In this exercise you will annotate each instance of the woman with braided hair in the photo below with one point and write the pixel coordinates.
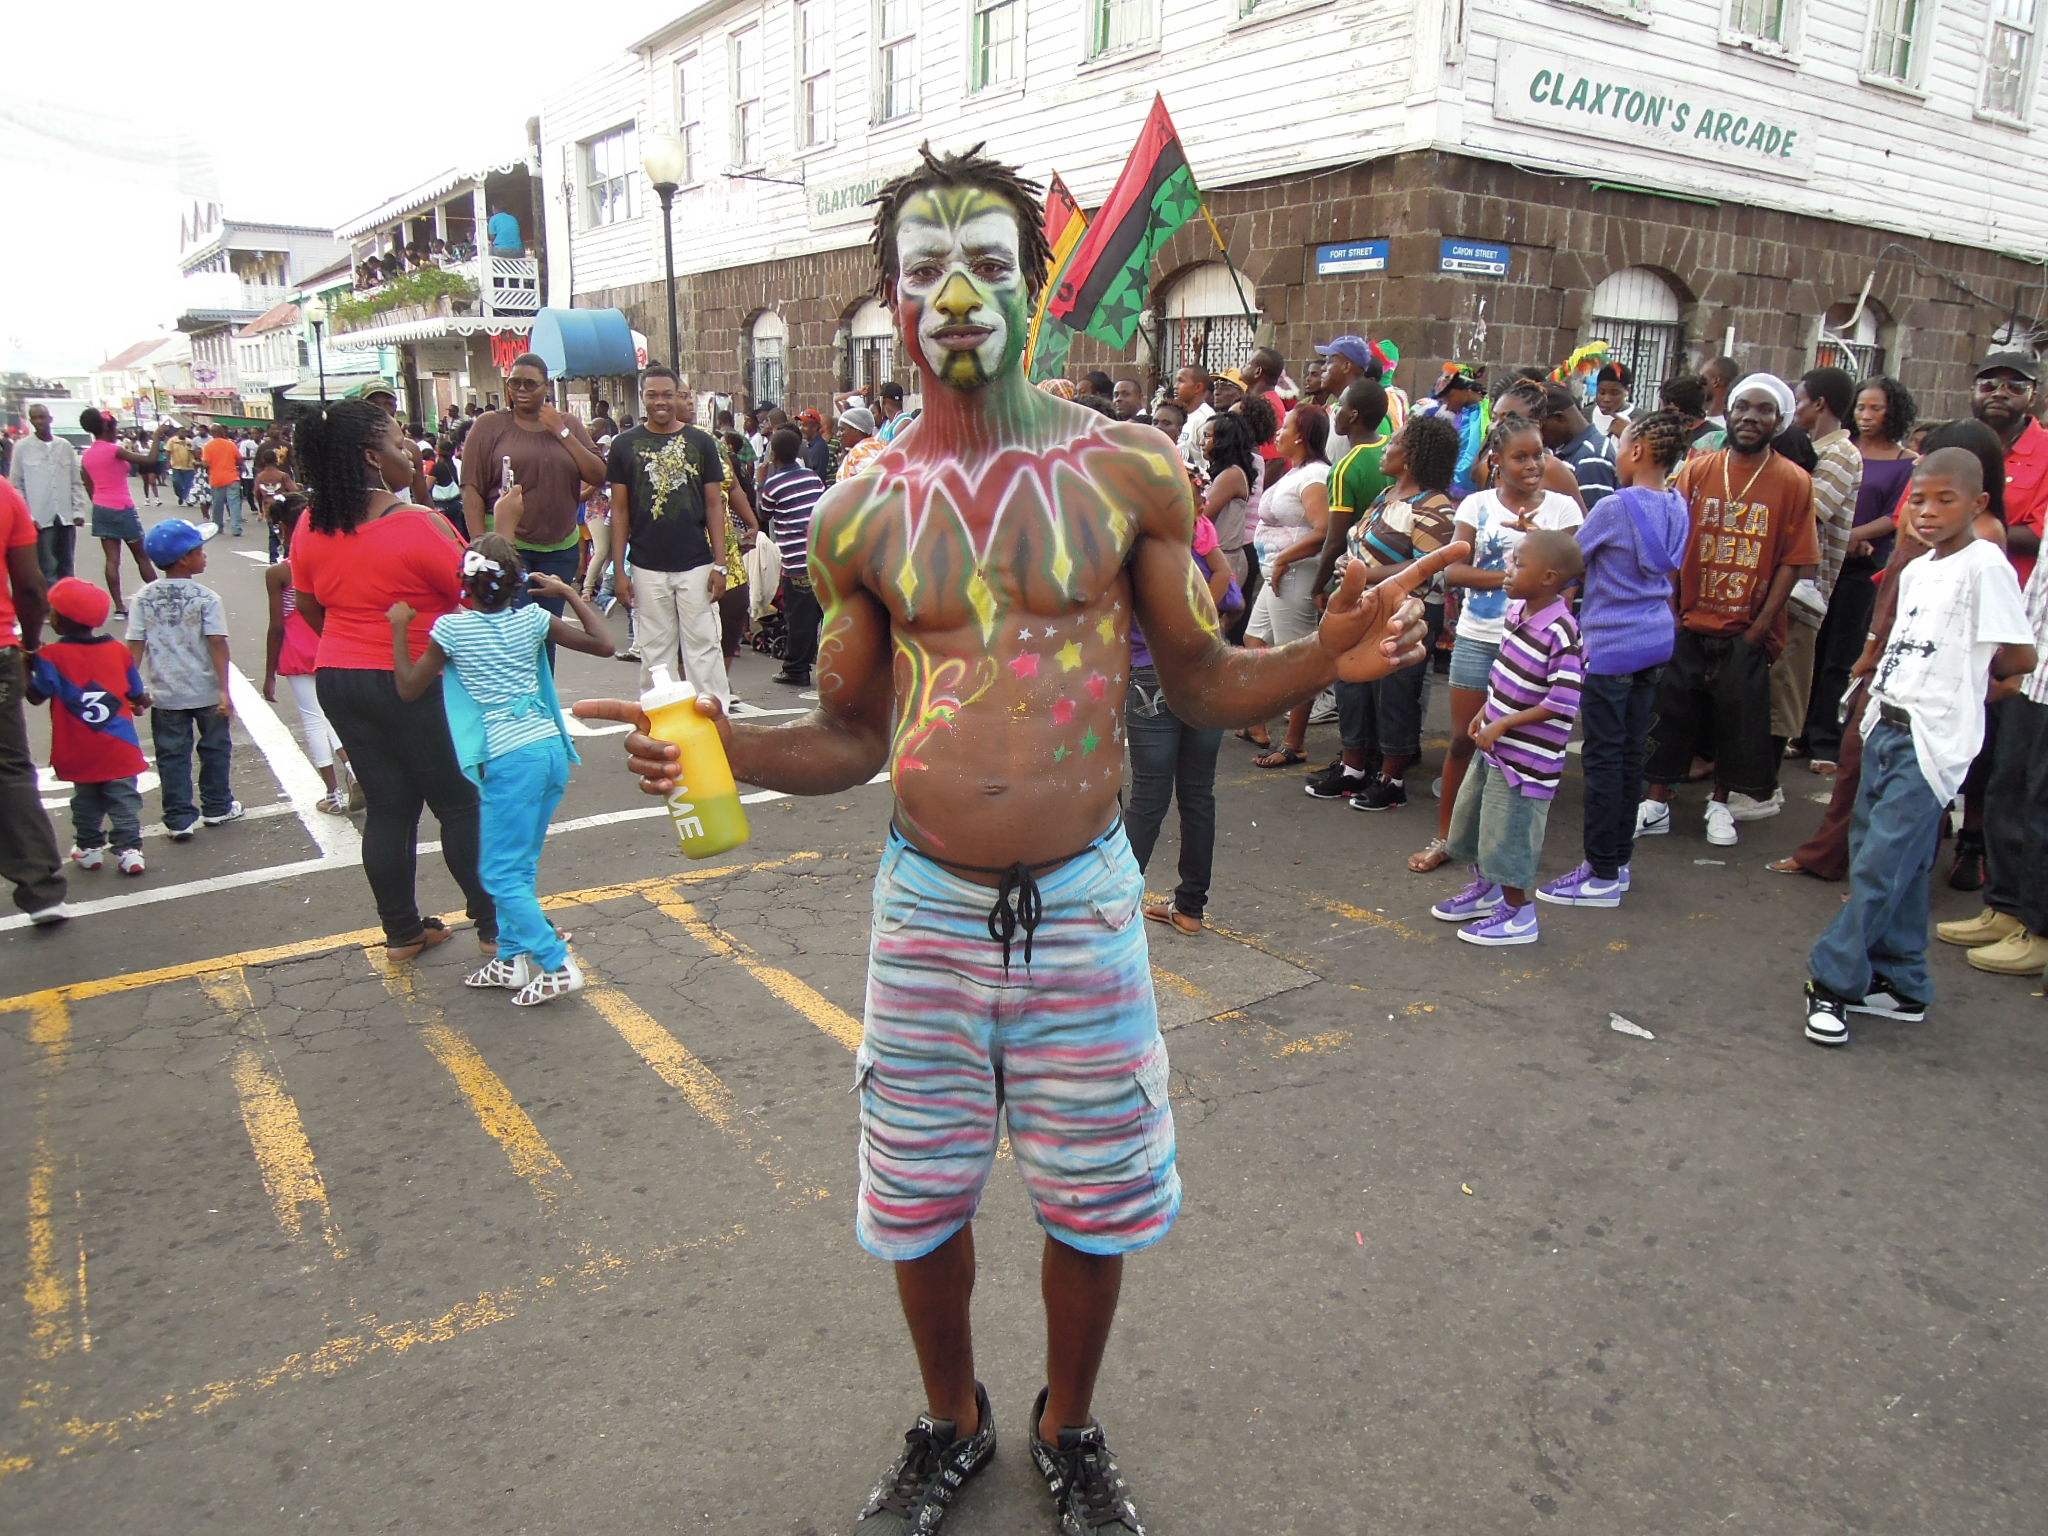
(360, 548)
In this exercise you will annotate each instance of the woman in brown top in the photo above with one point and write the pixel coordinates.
(548, 457)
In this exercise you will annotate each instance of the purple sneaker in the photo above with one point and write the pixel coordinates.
(1583, 888)
(1476, 900)
(1505, 925)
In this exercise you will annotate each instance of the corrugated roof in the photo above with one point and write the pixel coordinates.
(274, 318)
(130, 358)
(424, 195)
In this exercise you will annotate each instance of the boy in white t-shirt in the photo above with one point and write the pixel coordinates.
(1960, 623)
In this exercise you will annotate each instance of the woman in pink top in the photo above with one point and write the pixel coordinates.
(114, 519)
(359, 548)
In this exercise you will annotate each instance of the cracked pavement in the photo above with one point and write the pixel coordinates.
(1717, 1281)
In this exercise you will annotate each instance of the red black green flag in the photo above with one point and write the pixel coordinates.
(1104, 286)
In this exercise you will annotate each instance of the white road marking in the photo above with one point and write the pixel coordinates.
(145, 896)
(260, 556)
(335, 836)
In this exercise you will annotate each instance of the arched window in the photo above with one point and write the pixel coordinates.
(1208, 317)
(1853, 339)
(871, 347)
(1640, 318)
(767, 339)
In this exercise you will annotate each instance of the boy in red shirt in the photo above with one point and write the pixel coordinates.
(93, 688)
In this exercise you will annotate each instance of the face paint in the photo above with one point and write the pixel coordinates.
(960, 288)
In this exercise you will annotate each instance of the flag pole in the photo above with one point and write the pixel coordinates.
(1236, 282)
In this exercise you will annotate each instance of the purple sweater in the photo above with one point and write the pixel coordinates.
(1633, 540)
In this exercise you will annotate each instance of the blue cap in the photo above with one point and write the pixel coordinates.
(173, 539)
(1356, 348)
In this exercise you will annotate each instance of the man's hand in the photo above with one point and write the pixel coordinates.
(400, 614)
(1373, 631)
(1757, 639)
(622, 587)
(225, 712)
(1486, 733)
(651, 759)
(716, 587)
(2003, 688)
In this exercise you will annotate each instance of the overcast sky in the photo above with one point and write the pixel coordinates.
(292, 116)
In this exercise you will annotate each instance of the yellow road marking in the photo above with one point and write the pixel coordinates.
(277, 1135)
(1346, 910)
(55, 1287)
(797, 993)
(78, 991)
(702, 1089)
(493, 1104)
(1329, 1040)
(1172, 983)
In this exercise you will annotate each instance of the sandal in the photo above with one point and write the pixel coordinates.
(1260, 740)
(512, 974)
(1822, 766)
(1280, 757)
(1432, 856)
(546, 986)
(1787, 866)
(432, 931)
(1180, 922)
(334, 804)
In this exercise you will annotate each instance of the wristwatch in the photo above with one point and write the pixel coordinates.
(563, 433)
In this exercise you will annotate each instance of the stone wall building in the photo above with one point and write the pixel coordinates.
(1491, 180)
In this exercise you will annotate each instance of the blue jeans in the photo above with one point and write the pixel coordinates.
(553, 562)
(1615, 710)
(1170, 757)
(227, 507)
(116, 804)
(1882, 928)
(1497, 827)
(520, 792)
(173, 731)
(56, 550)
(181, 485)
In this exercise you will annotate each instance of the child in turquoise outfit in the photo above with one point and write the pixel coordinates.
(507, 723)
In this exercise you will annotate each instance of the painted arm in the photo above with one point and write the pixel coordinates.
(845, 740)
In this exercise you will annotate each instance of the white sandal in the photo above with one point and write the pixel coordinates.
(546, 986)
(511, 974)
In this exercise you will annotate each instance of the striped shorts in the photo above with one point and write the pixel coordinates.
(1067, 1046)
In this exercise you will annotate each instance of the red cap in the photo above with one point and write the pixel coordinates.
(81, 602)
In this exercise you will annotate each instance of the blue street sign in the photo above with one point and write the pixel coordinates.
(1474, 259)
(1353, 256)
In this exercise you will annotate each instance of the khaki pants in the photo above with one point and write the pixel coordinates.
(677, 614)
(1792, 680)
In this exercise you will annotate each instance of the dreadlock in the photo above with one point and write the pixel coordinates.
(969, 168)
(1663, 433)
(330, 446)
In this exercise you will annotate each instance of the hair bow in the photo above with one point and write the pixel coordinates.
(474, 564)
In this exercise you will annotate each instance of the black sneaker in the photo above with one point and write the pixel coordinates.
(1967, 872)
(1827, 1016)
(916, 1492)
(792, 679)
(1886, 1001)
(1333, 783)
(1088, 1493)
(1382, 794)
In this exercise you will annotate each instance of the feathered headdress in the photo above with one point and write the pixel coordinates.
(1581, 364)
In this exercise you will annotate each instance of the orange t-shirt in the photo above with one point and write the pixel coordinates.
(1743, 530)
(223, 461)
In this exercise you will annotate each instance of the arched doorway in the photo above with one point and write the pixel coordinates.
(767, 358)
(1640, 316)
(1208, 316)
(1853, 338)
(870, 347)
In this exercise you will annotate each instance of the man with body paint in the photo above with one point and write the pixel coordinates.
(981, 585)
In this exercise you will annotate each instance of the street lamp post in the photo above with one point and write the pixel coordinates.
(316, 316)
(666, 159)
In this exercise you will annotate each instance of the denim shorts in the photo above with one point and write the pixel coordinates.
(1066, 1046)
(1472, 663)
(1496, 827)
(123, 523)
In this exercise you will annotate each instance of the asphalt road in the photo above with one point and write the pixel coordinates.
(307, 1245)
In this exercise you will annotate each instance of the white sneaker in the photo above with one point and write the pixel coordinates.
(1748, 808)
(131, 861)
(1653, 818)
(234, 812)
(88, 858)
(44, 917)
(1324, 710)
(1720, 825)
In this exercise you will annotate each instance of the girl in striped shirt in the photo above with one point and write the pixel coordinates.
(1532, 697)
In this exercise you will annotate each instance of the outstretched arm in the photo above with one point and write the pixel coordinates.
(841, 743)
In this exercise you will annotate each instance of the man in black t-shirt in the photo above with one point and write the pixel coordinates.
(667, 478)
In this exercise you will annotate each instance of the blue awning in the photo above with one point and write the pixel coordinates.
(585, 343)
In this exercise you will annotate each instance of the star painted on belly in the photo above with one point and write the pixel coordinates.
(1090, 742)
(1023, 634)
(1063, 711)
(1069, 657)
(1026, 665)
(1106, 627)
(1059, 754)
(1098, 687)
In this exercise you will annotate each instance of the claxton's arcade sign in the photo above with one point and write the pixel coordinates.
(1625, 108)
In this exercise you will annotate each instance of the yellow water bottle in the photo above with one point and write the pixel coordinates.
(705, 804)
